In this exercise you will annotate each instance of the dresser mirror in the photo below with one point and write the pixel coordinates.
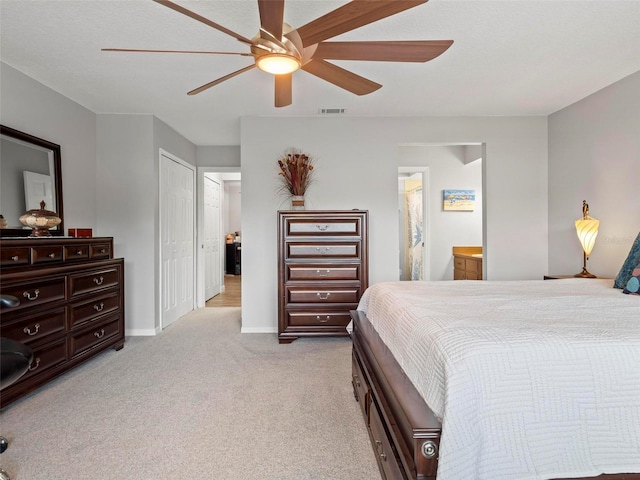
(30, 172)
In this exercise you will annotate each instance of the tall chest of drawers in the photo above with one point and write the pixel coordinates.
(71, 294)
(322, 271)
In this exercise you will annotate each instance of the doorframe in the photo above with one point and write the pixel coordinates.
(426, 230)
(176, 159)
(200, 264)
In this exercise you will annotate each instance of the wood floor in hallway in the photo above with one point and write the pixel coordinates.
(231, 295)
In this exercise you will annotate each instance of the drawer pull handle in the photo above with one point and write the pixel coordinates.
(323, 273)
(323, 296)
(322, 228)
(98, 280)
(32, 367)
(52, 255)
(15, 258)
(30, 297)
(98, 307)
(28, 331)
(323, 320)
(79, 252)
(323, 250)
(102, 250)
(99, 334)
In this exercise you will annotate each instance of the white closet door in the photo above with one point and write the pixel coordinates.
(177, 193)
(212, 240)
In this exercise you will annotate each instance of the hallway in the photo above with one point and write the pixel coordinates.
(231, 295)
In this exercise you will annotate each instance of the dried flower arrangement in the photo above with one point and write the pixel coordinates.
(295, 169)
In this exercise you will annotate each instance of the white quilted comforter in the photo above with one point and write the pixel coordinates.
(531, 379)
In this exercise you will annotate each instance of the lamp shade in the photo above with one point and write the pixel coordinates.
(587, 230)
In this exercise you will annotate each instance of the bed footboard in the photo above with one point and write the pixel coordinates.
(404, 434)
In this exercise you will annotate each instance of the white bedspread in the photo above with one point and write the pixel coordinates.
(531, 379)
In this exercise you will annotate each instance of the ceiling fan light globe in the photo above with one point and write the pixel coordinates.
(277, 63)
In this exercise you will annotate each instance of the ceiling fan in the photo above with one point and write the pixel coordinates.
(281, 50)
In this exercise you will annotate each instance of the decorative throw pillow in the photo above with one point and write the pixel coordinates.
(633, 285)
(627, 267)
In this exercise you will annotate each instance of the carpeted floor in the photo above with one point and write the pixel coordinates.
(198, 401)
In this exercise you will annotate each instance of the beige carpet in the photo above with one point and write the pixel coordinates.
(199, 401)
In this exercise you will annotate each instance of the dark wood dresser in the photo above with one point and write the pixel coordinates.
(322, 271)
(71, 293)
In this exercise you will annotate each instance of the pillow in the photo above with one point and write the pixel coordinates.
(633, 285)
(627, 267)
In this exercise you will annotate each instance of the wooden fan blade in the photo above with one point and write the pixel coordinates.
(272, 16)
(174, 51)
(220, 80)
(340, 77)
(402, 51)
(353, 15)
(284, 95)
(202, 19)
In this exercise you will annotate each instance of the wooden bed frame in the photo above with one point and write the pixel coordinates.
(404, 433)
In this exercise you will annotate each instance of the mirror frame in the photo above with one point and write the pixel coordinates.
(57, 166)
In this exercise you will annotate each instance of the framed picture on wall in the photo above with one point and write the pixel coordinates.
(459, 200)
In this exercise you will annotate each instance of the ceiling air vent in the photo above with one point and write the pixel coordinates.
(332, 111)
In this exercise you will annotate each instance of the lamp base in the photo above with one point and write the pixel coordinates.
(584, 274)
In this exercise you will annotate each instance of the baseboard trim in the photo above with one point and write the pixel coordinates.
(258, 330)
(140, 332)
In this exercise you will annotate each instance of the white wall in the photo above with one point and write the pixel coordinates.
(128, 205)
(447, 170)
(594, 155)
(357, 160)
(33, 108)
(233, 213)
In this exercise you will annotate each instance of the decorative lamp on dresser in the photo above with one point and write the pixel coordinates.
(71, 303)
(322, 271)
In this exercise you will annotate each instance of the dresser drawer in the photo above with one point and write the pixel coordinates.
(47, 356)
(36, 327)
(100, 250)
(87, 339)
(13, 257)
(76, 252)
(94, 280)
(321, 294)
(95, 307)
(42, 254)
(320, 227)
(34, 293)
(318, 318)
(321, 272)
(360, 387)
(458, 263)
(296, 250)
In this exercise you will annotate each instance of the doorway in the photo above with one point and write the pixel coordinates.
(412, 206)
(212, 267)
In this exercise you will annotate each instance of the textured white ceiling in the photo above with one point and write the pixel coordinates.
(509, 57)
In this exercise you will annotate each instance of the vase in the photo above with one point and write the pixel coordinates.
(297, 202)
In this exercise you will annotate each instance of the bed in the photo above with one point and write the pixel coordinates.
(508, 380)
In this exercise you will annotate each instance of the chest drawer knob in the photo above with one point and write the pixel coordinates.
(15, 258)
(98, 307)
(79, 252)
(36, 329)
(31, 297)
(98, 280)
(323, 296)
(52, 255)
(322, 228)
(323, 273)
(99, 334)
(35, 364)
(323, 320)
(323, 250)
